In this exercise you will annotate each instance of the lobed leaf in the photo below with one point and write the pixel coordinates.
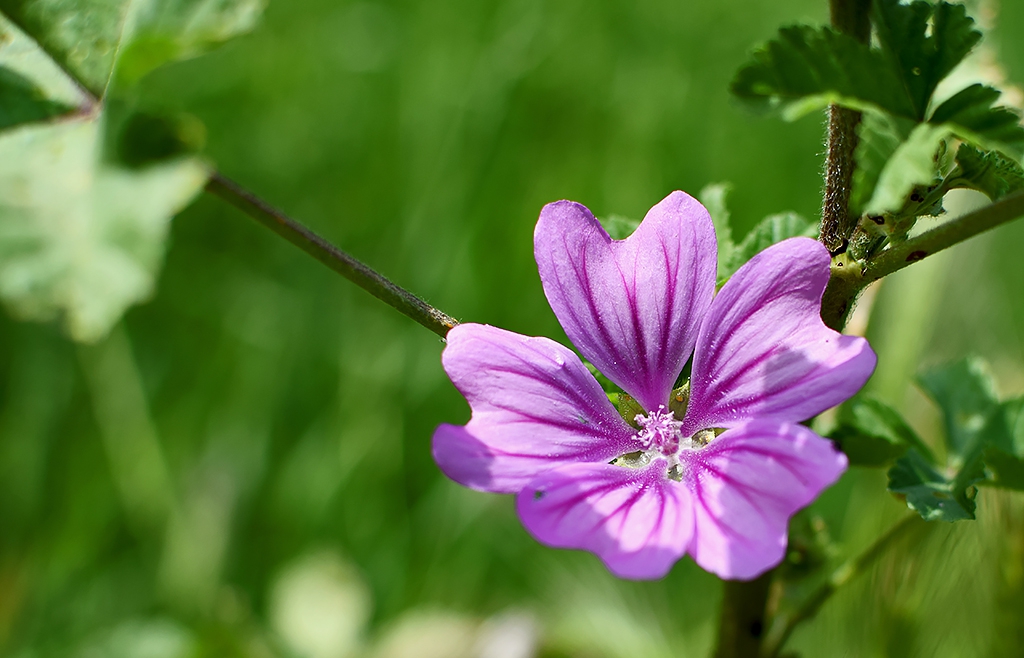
(81, 239)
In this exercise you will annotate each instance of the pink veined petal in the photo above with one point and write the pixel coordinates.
(763, 351)
(636, 520)
(632, 307)
(535, 405)
(746, 484)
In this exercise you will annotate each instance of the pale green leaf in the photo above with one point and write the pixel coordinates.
(911, 164)
(80, 239)
(32, 87)
(879, 135)
(1005, 454)
(89, 38)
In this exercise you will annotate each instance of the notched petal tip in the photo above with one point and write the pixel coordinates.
(631, 306)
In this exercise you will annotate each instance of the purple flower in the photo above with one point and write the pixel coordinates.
(721, 482)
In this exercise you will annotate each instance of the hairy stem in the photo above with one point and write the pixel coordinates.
(837, 225)
(849, 277)
(784, 625)
(334, 258)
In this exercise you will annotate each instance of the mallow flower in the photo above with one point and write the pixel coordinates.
(718, 480)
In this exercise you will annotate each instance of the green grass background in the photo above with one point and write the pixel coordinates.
(284, 416)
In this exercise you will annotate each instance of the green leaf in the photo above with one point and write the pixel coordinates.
(80, 239)
(171, 30)
(713, 197)
(872, 434)
(1005, 454)
(965, 393)
(970, 115)
(974, 421)
(88, 38)
(879, 135)
(619, 227)
(769, 231)
(988, 172)
(930, 493)
(910, 165)
(805, 68)
(923, 43)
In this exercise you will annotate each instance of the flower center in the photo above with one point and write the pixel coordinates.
(659, 431)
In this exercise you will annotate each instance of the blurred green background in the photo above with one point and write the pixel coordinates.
(243, 467)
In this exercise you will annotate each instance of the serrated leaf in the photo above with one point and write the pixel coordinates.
(872, 434)
(805, 68)
(619, 227)
(911, 164)
(713, 197)
(81, 239)
(769, 231)
(930, 493)
(971, 116)
(924, 42)
(88, 38)
(987, 171)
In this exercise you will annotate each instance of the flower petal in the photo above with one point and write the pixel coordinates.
(535, 405)
(632, 307)
(746, 484)
(763, 351)
(636, 520)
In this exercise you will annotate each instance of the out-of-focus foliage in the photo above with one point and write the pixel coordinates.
(82, 225)
(251, 447)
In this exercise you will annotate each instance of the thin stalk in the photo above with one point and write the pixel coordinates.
(784, 626)
(850, 277)
(336, 259)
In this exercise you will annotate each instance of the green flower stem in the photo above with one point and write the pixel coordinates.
(334, 258)
(784, 625)
(850, 277)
